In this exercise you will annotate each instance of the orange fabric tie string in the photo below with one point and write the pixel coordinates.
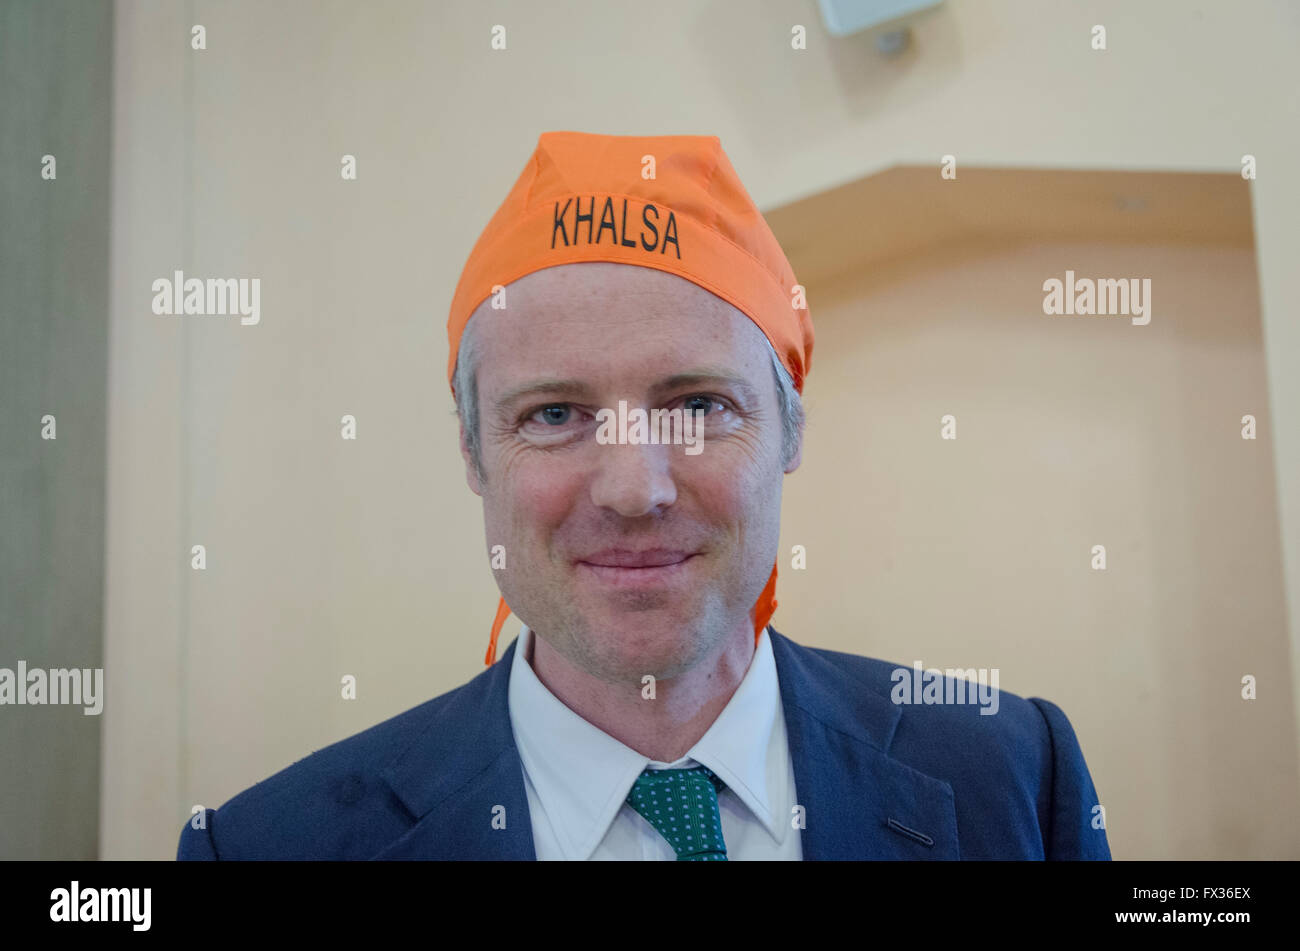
(503, 612)
(763, 612)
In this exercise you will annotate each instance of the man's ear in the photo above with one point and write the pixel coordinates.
(471, 473)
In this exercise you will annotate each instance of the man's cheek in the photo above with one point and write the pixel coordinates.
(721, 493)
(536, 509)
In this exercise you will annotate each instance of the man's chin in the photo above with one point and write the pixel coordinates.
(632, 644)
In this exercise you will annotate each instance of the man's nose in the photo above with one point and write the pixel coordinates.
(633, 480)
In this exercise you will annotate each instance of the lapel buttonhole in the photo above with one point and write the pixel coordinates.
(910, 833)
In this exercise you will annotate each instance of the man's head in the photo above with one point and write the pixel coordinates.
(634, 265)
(628, 559)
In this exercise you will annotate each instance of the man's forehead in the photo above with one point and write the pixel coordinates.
(610, 320)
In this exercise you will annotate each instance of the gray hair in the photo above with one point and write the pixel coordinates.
(466, 384)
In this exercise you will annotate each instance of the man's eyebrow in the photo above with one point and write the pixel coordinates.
(571, 388)
(709, 376)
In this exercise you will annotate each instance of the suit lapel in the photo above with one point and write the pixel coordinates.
(859, 802)
(463, 780)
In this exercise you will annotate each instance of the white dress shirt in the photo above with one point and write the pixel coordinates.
(577, 776)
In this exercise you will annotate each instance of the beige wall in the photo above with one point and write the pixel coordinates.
(1071, 432)
(328, 557)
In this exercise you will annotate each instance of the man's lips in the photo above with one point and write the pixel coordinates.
(625, 558)
(644, 571)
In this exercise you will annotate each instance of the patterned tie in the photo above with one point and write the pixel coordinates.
(682, 805)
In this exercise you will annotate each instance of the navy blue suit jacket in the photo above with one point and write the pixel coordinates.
(877, 780)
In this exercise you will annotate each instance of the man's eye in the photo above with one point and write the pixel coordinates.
(555, 415)
(699, 404)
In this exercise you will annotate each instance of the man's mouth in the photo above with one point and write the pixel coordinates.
(627, 558)
(627, 569)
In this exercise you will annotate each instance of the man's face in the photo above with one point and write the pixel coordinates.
(627, 559)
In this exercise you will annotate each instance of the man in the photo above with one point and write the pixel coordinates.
(647, 709)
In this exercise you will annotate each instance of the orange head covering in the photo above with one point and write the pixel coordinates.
(669, 202)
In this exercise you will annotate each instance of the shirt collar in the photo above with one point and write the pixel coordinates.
(582, 774)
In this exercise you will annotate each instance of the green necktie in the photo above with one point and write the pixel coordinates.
(682, 805)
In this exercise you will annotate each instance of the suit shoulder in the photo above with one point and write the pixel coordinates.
(1020, 784)
(953, 697)
(964, 731)
(333, 803)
